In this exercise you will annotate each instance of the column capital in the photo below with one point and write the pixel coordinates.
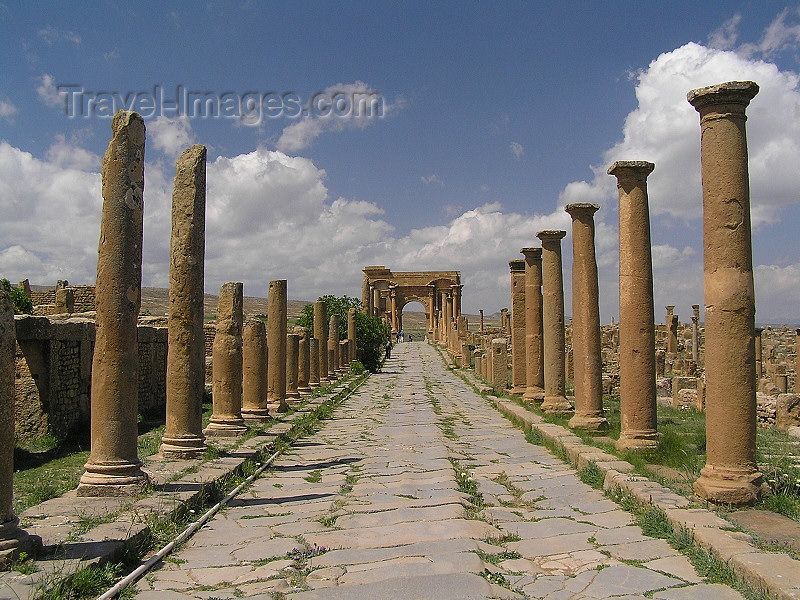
(551, 234)
(517, 265)
(580, 209)
(532, 254)
(729, 93)
(627, 169)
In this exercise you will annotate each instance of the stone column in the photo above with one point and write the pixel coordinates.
(351, 335)
(586, 343)
(759, 356)
(499, 374)
(393, 309)
(730, 475)
(333, 345)
(226, 419)
(797, 359)
(344, 349)
(13, 540)
(432, 310)
(321, 333)
(504, 319)
(365, 297)
(292, 364)
(254, 371)
(370, 305)
(113, 467)
(303, 362)
(276, 342)
(671, 321)
(696, 332)
(518, 350)
(457, 300)
(313, 362)
(65, 301)
(448, 317)
(534, 343)
(376, 303)
(481, 313)
(637, 335)
(555, 400)
(183, 433)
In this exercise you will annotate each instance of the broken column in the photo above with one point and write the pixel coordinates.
(504, 319)
(797, 360)
(671, 322)
(254, 371)
(586, 343)
(534, 342)
(555, 400)
(351, 335)
(759, 356)
(303, 362)
(637, 337)
(13, 540)
(321, 333)
(730, 475)
(113, 467)
(498, 376)
(276, 342)
(183, 433)
(226, 360)
(292, 363)
(518, 369)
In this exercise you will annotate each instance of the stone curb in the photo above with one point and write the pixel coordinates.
(774, 573)
(54, 519)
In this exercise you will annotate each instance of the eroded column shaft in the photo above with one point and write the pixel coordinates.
(254, 371)
(518, 351)
(534, 342)
(276, 341)
(321, 334)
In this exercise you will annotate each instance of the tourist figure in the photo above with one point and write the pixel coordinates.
(388, 348)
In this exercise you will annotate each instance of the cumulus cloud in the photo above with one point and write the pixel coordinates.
(48, 92)
(171, 135)
(782, 34)
(50, 35)
(517, 149)
(724, 37)
(434, 180)
(7, 110)
(338, 107)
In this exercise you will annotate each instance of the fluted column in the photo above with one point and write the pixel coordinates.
(586, 343)
(534, 342)
(730, 475)
(637, 337)
(555, 400)
(518, 351)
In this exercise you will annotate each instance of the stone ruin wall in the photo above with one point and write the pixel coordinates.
(44, 301)
(53, 369)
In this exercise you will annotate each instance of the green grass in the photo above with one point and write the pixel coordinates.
(592, 475)
(314, 476)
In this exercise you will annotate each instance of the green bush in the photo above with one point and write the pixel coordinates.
(23, 305)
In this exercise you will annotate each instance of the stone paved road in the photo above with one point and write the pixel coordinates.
(378, 488)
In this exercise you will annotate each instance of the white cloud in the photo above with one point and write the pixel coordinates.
(724, 38)
(7, 110)
(171, 135)
(48, 92)
(782, 34)
(50, 35)
(433, 179)
(517, 149)
(354, 112)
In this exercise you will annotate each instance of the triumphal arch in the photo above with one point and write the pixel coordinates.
(384, 294)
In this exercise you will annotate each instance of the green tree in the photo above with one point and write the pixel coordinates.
(23, 305)
(371, 332)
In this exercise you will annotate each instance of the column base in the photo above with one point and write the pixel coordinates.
(314, 385)
(256, 415)
(112, 478)
(181, 448)
(533, 394)
(293, 394)
(305, 391)
(225, 427)
(729, 486)
(518, 390)
(281, 406)
(591, 422)
(14, 541)
(644, 439)
(556, 405)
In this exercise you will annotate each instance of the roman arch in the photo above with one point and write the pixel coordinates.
(384, 294)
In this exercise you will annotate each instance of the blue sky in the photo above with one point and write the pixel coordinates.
(495, 116)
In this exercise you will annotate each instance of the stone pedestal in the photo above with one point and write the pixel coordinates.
(730, 475)
(637, 337)
(276, 341)
(518, 350)
(555, 400)
(226, 419)
(13, 540)
(321, 333)
(113, 467)
(587, 360)
(534, 341)
(183, 434)
(254, 371)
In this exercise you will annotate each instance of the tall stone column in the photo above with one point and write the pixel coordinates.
(351, 334)
(504, 319)
(586, 342)
(376, 303)
(457, 301)
(671, 322)
(303, 361)
(369, 306)
(759, 356)
(393, 309)
(499, 358)
(730, 475)
(321, 333)
(313, 362)
(534, 343)
(555, 400)
(696, 333)
(365, 299)
(518, 350)
(292, 363)
(797, 359)
(183, 433)
(276, 342)
(254, 371)
(226, 418)
(431, 310)
(13, 540)
(113, 467)
(637, 335)
(333, 345)
(481, 313)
